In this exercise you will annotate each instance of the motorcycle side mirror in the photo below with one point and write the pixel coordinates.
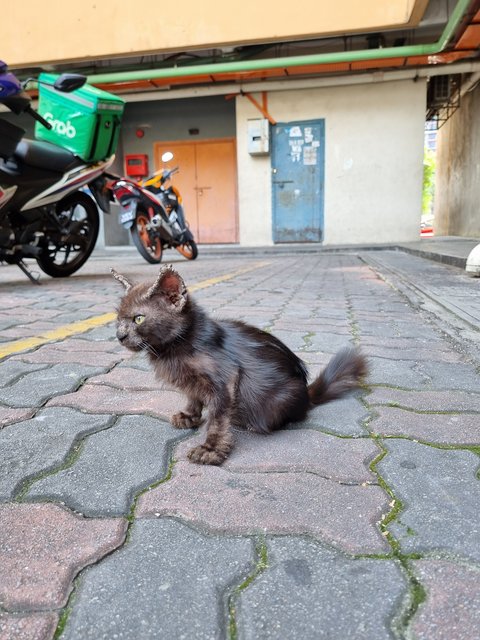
(68, 82)
(167, 156)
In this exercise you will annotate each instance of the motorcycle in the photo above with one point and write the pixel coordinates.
(44, 212)
(154, 214)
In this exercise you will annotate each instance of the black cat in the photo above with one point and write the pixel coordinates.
(242, 376)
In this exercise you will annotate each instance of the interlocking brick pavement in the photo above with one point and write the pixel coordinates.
(453, 608)
(360, 522)
(42, 548)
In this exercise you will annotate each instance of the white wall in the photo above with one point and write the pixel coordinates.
(254, 185)
(373, 161)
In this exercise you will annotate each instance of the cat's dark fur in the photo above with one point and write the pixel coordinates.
(242, 376)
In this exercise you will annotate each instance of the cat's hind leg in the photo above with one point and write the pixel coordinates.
(191, 418)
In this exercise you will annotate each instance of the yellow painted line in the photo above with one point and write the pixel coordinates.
(75, 328)
(227, 276)
(55, 335)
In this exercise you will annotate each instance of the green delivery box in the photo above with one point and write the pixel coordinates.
(85, 121)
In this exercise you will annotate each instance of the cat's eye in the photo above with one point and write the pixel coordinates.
(139, 319)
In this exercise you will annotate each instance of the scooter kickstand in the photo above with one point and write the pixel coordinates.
(33, 277)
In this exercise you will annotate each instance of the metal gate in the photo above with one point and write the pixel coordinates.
(298, 167)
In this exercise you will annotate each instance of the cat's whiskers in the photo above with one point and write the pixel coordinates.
(148, 347)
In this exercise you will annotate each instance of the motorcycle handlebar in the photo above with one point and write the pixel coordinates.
(36, 116)
(21, 104)
(170, 172)
(166, 173)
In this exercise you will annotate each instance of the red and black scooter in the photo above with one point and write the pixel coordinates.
(154, 214)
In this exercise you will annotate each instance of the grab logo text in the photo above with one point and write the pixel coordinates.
(61, 128)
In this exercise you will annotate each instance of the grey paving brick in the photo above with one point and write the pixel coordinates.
(386, 332)
(341, 416)
(111, 468)
(106, 332)
(452, 607)
(40, 444)
(169, 581)
(6, 324)
(402, 373)
(430, 341)
(295, 340)
(449, 376)
(314, 325)
(329, 342)
(34, 388)
(315, 361)
(440, 493)
(417, 354)
(384, 302)
(334, 596)
(218, 500)
(402, 334)
(12, 370)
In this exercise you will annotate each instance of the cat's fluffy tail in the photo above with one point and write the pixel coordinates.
(342, 374)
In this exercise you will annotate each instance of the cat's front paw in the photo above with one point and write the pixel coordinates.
(186, 421)
(204, 455)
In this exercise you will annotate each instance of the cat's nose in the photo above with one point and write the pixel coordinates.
(121, 335)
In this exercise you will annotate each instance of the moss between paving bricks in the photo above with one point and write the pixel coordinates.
(261, 554)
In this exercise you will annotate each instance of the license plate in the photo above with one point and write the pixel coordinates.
(127, 216)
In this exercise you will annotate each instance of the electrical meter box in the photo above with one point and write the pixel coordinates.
(85, 121)
(258, 137)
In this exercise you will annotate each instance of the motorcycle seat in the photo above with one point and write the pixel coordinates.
(45, 155)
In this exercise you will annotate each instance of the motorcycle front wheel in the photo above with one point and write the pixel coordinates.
(71, 237)
(188, 250)
(146, 239)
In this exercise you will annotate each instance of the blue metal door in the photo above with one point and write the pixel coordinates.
(298, 158)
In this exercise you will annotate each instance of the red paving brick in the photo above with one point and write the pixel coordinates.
(9, 415)
(426, 400)
(128, 378)
(51, 354)
(444, 428)
(36, 626)
(295, 503)
(43, 547)
(96, 398)
(342, 460)
(451, 610)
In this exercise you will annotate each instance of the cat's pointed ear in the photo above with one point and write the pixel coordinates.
(170, 284)
(118, 276)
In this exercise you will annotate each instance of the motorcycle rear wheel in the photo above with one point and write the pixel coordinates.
(188, 250)
(70, 248)
(148, 242)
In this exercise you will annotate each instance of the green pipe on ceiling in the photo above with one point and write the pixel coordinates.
(294, 61)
